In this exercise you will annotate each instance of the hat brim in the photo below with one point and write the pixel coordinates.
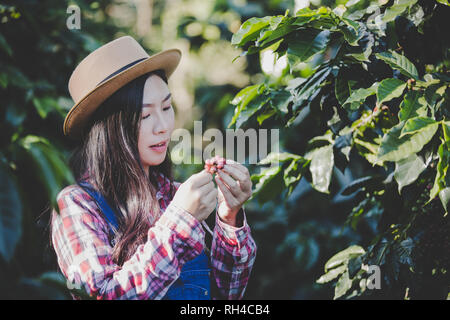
(79, 114)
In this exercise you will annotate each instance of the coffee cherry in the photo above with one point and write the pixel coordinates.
(214, 164)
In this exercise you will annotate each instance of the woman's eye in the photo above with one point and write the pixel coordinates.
(146, 117)
(167, 108)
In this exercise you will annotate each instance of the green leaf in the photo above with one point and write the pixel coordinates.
(342, 286)
(432, 94)
(444, 2)
(278, 29)
(389, 89)
(343, 256)
(257, 104)
(310, 88)
(350, 32)
(3, 80)
(250, 30)
(441, 180)
(304, 44)
(10, 213)
(269, 183)
(394, 148)
(294, 173)
(399, 62)
(5, 46)
(359, 96)
(321, 167)
(417, 124)
(408, 170)
(274, 157)
(413, 105)
(306, 15)
(266, 114)
(397, 9)
(444, 195)
(243, 98)
(51, 170)
(360, 183)
(331, 275)
(45, 105)
(280, 99)
(342, 88)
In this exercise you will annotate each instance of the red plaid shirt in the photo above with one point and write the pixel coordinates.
(83, 249)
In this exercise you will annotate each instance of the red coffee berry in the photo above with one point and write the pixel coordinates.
(214, 164)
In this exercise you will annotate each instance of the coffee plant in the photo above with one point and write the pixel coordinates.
(374, 81)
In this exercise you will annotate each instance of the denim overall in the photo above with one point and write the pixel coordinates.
(193, 282)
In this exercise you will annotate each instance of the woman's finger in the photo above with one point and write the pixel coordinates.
(237, 165)
(228, 196)
(230, 182)
(244, 179)
(207, 188)
(211, 196)
(234, 172)
(201, 178)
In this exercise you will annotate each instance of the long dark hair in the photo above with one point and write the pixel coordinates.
(109, 154)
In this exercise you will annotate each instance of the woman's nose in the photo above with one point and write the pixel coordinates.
(161, 124)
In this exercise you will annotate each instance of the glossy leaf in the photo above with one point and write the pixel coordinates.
(269, 183)
(413, 105)
(342, 88)
(321, 167)
(399, 62)
(342, 286)
(309, 89)
(395, 148)
(332, 274)
(275, 158)
(249, 30)
(243, 98)
(414, 125)
(275, 31)
(343, 256)
(294, 172)
(51, 170)
(359, 96)
(304, 44)
(389, 89)
(442, 179)
(444, 195)
(408, 170)
(397, 9)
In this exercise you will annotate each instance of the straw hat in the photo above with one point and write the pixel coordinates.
(107, 69)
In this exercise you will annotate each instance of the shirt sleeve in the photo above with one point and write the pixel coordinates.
(233, 253)
(79, 237)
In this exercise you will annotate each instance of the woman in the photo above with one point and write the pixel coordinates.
(126, 230)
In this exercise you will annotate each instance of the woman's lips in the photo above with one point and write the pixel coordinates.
(159, 147)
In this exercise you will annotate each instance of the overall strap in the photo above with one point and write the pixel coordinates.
(101, 202)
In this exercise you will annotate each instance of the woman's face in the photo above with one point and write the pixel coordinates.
(157, 122)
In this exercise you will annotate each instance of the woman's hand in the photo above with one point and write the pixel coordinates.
(197, 195)
(235, 187)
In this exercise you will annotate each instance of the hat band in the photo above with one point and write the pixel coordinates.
(120, 70)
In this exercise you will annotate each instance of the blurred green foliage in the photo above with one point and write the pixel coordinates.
(299, 229)
(373, 107)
